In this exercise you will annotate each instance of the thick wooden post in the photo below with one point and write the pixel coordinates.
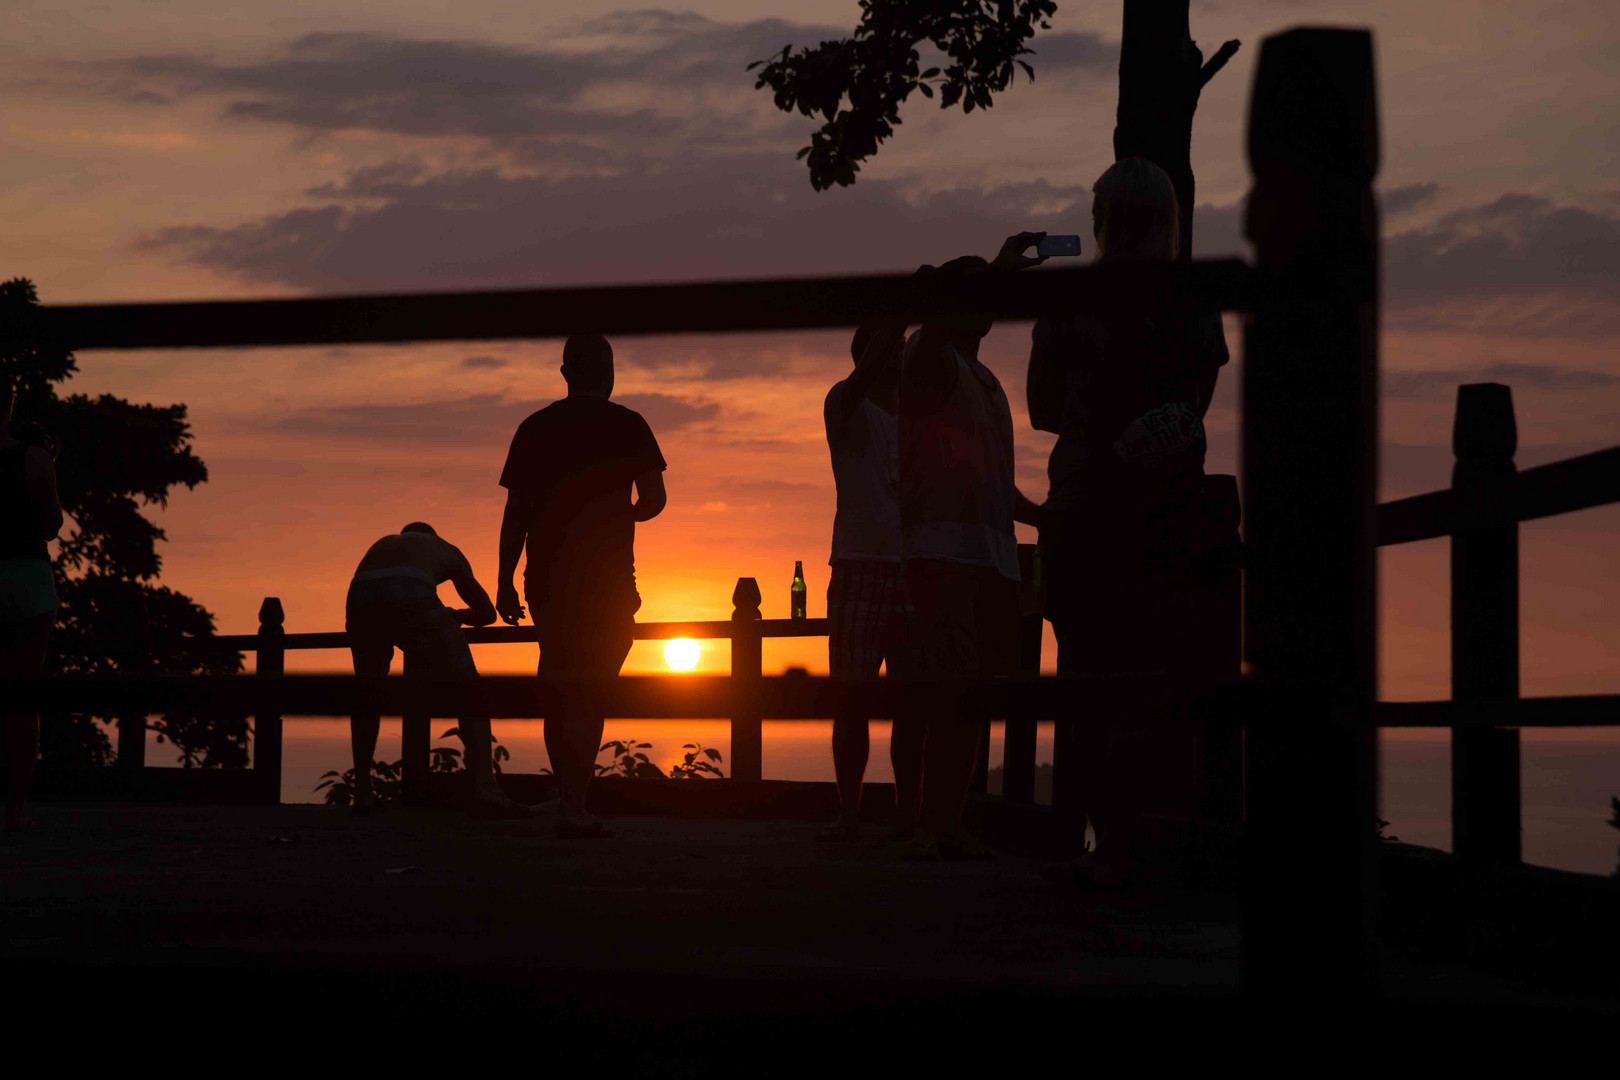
(1217, 633)
(747, 667)
(1310, 460)
(1485, 822)
(271, 661)
(1018, 744)
(415, 743)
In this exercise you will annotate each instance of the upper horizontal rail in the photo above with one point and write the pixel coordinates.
(1561, 487)
(713, 629)
(697, 307)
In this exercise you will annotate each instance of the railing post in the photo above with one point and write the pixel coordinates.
(1018, 741)
(415, 743)
(747, 667)
(1485, 823)
(1310, 460)
(270, 662)
(131, 742)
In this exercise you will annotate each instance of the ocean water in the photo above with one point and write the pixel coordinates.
(1568, 775)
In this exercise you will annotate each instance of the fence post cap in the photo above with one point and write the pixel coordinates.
(1314, 103)
(270, 613)
(1485, 426)
(745, 599)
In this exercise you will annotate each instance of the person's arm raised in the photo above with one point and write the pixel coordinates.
(514, 531)
(650, 495)
(39, 478)
(881, 355)
(479, 611)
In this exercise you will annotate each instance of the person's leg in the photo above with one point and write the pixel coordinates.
(371, 657)
(592, 647)
(988, 646)
(907, 737)
(908, 730)
(855, 597)
(22, 654)
(945, 601)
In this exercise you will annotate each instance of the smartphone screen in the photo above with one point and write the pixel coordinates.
(1059, 245)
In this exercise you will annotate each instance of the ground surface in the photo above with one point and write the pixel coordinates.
(676, 931)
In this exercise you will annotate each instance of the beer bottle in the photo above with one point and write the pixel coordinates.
(799, 592)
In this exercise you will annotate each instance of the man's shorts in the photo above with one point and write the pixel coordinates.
(586, 641)
(869, 620)
(399, 606)
(967, 618)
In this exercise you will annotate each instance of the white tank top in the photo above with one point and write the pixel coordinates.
(956, 473)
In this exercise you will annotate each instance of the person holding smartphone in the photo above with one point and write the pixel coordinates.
(1125, 530)
(957, 505)
(30, 518)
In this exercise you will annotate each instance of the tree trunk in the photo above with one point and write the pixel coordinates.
(1161, 74)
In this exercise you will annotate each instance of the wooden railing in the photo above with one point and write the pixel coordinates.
(1481, 512)
(746, 630)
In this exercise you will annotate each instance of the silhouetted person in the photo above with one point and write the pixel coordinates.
(394, 601)
(869, 613)
(30, 517)
(957, 501)
(1126, 534)
(568, 478)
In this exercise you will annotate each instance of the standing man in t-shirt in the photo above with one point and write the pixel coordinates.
(869, 616)
(568, 478)
(957, 504)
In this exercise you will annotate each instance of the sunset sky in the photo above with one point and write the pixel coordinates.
(182, 149)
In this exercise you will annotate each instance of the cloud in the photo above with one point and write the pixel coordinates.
(607, 92)
(484, 362)
(1399, 200)
(404, 227)
(1517, 242)
(1419, 385)
(1519, 264)
(472, 420)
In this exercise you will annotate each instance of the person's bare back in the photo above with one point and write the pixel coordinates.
(420, 549)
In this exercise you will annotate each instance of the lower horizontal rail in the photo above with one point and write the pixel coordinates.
(793, 696)
(652, 697)
(1591, 710)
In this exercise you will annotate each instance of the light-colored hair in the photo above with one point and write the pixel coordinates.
(1134, 212)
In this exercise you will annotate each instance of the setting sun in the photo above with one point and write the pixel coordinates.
(682, 654)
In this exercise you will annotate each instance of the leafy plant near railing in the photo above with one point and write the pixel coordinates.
(700, 761)
(448, 758)
(339, 786)
(631, 763)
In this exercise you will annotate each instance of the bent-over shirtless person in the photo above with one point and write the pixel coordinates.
(394, 600)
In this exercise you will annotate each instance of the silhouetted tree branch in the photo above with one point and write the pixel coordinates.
(857, 84)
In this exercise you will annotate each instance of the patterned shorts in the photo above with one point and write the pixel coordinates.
(389, 610)
(869, 620)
